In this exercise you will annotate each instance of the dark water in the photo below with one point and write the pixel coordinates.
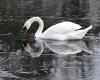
(36, 59)
(13, 14)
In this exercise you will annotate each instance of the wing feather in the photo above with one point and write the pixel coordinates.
(62, 28)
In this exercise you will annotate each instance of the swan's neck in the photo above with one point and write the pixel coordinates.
(41, 25)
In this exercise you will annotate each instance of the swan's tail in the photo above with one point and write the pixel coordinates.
(88, 28)
(84, 31)
(79, 34)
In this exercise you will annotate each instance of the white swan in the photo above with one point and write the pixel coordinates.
(61, 31)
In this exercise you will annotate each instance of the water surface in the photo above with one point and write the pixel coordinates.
(35, 59)
(46, 59)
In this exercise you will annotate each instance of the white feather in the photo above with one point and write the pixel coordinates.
(61, 31)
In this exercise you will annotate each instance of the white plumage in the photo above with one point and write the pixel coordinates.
(61, 31)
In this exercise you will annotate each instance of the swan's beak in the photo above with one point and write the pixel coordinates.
(24, 29)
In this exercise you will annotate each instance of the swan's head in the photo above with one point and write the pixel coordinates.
(26, 26)
(28, 23)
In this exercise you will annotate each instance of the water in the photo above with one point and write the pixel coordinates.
(46, 60)
(36, 59)
(13, 14)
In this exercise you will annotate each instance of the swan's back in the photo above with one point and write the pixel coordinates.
(61, 28)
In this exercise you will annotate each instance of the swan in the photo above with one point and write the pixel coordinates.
(62, 31)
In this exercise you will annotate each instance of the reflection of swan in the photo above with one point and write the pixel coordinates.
(61, 31)
(66, 47)
(37, 48)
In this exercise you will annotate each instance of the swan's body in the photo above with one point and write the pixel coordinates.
(61, 31)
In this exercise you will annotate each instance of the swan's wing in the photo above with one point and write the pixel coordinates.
(62, 28)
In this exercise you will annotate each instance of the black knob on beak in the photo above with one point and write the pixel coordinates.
(24, 29)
